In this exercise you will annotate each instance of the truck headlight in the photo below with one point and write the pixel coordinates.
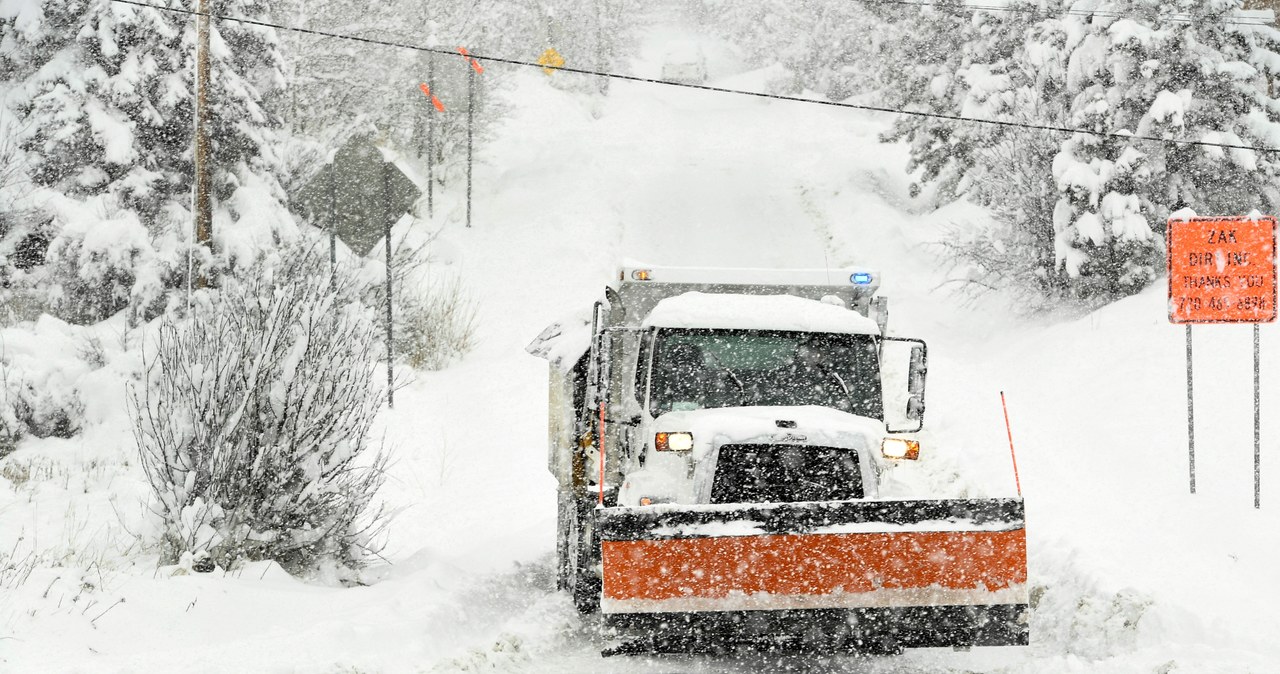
(900, 448)
(673, 442)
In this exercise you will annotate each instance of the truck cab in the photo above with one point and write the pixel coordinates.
(753, 399)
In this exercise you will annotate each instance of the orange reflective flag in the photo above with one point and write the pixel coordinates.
(474, 63)
(434, 101)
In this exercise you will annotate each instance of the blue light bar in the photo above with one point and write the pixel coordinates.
(861, 278)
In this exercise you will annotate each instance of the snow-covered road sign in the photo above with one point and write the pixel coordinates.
(1222, 270)
(359, 194)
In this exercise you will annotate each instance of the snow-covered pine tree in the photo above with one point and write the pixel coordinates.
(106, 99)
(757, 29)
(1155, 73)
(954, 60)
(112, 106)
(822, 47)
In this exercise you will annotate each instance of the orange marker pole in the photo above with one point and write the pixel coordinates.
(475, 63)
(1009, 430)
(602, 452)
(434, 101)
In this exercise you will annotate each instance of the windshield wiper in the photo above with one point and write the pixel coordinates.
(716, 361)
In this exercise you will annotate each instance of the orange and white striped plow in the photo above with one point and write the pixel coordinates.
(837, 555)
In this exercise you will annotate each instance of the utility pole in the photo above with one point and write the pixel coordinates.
(204, 182)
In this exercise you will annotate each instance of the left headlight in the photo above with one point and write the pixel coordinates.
(673, 442)
(900, 448)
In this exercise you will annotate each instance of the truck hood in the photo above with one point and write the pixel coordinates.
(813, 425)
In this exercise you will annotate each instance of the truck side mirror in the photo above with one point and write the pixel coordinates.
(903, 367)
(879, 312)
(915, 383)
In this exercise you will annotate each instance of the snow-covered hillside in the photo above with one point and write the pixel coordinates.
(1130, 572)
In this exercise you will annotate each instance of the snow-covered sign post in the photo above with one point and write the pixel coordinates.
(476, 69)
(358, 197)
(1223, 270)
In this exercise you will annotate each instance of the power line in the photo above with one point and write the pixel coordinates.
(1177, 17)
(740, 92)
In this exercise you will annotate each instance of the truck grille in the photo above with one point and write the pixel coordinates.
(785, 474)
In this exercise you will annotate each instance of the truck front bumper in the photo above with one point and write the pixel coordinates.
(879, 630)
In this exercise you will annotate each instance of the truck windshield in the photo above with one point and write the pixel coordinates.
(697, 369)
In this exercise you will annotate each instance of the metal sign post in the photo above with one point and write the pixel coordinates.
(431, 141)
(1223, 270)
(332, 221)
(1257, 421)
(360, 195)
(471, 108)
(386, 223)
(1191, 416)
(476, 69)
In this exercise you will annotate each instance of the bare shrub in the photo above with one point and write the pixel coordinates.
(253, 425)
(436, 326)
(93, 351)
(434, 320)
(16, 568)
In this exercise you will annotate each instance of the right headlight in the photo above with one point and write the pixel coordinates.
(900, 448)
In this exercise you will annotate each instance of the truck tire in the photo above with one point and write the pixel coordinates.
(564, 526)
(583, 581)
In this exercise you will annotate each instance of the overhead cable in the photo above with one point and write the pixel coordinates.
(704, 87)
(1176, 17)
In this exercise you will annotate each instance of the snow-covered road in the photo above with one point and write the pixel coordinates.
(1132, 574)
(686, 177)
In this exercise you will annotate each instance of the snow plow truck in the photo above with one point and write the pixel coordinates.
(720, 440)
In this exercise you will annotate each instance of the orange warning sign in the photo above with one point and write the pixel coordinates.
(1222, 270)
(550, 61)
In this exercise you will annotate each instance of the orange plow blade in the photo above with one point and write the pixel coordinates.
(955, 561)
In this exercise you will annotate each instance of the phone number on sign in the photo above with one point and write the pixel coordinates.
(1250, 303)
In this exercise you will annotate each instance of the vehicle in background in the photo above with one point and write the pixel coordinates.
(685, 64)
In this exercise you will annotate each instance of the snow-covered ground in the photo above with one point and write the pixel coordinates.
(1131, 573)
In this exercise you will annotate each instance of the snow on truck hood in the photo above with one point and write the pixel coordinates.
(814, 426)
(562, 343)
(757, 312)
